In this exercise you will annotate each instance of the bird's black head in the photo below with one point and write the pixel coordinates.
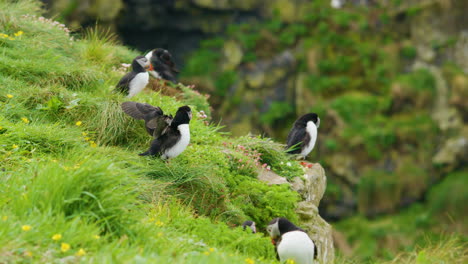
(183, 116)
(302, 121)
(278, 226)
(140, 64)
(250, 224)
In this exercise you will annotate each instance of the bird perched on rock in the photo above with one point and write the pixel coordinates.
(136, 80)
(162, 65)
(302, 137)
(291, 242)
(171, 135)
(250, 224)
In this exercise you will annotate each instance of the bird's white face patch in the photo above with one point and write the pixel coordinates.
(149, 55)
(190, 115)
(318, 122)
(144, 62)
(273, 230)
(254, 229)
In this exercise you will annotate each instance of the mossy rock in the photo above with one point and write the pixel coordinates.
(355, 106)
(413, 90)
(449, 197)
(378, 192)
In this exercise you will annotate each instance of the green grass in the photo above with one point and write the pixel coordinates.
(70, 164)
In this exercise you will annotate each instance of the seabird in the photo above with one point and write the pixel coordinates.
(162, 65)
(291, 242)
(250, 224)
(302, 137)
(136, 80)
(171, 135)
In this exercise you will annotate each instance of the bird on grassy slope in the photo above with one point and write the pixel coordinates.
(162, 65)
(171, 135)
(302, 137)
(136, 80)
(249, 224)
(291, 242)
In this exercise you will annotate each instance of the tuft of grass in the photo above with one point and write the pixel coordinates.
(448, 250)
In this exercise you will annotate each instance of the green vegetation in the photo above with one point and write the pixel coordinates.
(72, 184)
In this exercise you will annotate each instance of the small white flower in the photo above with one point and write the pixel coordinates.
(288, 164)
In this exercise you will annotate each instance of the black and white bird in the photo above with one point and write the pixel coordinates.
(302, 137)
(163, 67)
(136, 80)
(171, 135)
(249, 224)
(291, 242)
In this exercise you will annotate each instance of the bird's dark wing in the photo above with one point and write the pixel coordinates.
(141, 111)
(169, 138)
(165, 141)
(159, 125)
(165, 71)
(155, 120)
(124, 83)
(296, 138)
(168, 75)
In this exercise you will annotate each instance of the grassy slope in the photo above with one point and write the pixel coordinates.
(70, 165)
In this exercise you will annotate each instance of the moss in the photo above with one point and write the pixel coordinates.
(378, 192)
(448, 198)
(419, 81)
(352, 106)
(276, 112)
(414, 180)
(408, 52)
(201, 62)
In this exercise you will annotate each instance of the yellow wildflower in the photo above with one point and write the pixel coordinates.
(79, 123)
(57, 237)
(14, 146)
(28, 253)
(80, 252)
(26, 227)
(25, 120)
(206, 253)
(97, 236)
(84, 134)
(1, 128)
(159, 223)
(290, 261)
(249, 261)
(19, 33)
(9, 96)
(92, 144)
(87, 138)
(211, 249)
(3, 35)
(65, 247)
(4, 218)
